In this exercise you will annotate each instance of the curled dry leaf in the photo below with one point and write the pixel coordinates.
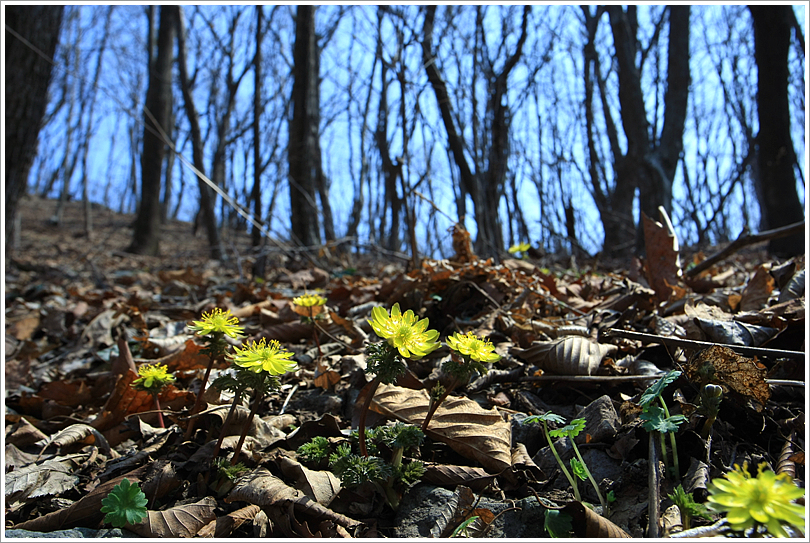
(76, 433)
(569, 355)
(447, 475)
(264, 489)
(224, 526)
(469, 429)
(321, 486)
(181, 521)
(48, 478)
(589, 525)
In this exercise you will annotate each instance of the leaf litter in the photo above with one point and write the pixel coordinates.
(80, 322)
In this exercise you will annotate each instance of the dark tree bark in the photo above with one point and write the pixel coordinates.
(486, 185)
(27, 79)
(776, 182)
(256, 193)
(651, 160)
(304, 150)
(146, 237)
(206, 197)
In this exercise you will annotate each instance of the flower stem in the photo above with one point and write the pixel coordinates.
(361, 426)
(560, 462)
(198, 402)
(434, 404)
(236, 400)
(257, 399)
(159, 413)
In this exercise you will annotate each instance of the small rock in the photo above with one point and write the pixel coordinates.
(601, 421)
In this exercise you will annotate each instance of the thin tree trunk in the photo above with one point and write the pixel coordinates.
(146, 236)
(256, 193)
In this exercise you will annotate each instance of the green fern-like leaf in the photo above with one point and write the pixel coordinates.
(125, 504)
(656, 389)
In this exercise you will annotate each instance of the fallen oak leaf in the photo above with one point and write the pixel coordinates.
(265, 489)
(180, 521)
(465, 426)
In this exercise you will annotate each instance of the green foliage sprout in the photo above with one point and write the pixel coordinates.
(125, 504)
(545, 419)
(688, 507)
(659, 420)
(316, 450)
(571, 431)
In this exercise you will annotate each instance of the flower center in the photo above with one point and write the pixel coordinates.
(403, 334)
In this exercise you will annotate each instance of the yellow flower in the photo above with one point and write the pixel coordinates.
(405, 331)
(153, 377)
(262, 357)
(218, 321)
(765, 500)
(473, 347)
(308, 305)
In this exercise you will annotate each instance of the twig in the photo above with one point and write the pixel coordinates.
(693, 344)
(289, 396)
(744, 240)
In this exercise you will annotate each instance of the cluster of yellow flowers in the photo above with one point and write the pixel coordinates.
(257, 356)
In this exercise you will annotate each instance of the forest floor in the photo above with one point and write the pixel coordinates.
(576, 340)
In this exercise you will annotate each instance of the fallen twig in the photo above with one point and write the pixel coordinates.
(693, 344)
(744, 240)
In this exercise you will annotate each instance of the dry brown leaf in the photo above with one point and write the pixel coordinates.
(569, 355)
(589, 525)
(264, 489)
(321, 486)
(662, 258)
(759, 288)
(448, 476)
(76, 433)
(224, 526)
(469, 429)
(722, 366)
(85, 512)
(180, 521)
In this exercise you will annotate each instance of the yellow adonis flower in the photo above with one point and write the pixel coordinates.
(765, 500)
(308, 305)
(153, 377)
(405, 331)
(474, 347)
(263, 357)
(218, 321)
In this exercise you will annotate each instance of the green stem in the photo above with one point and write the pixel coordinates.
(672, 442)
(560, 462)
(198, 402)
(590, 477)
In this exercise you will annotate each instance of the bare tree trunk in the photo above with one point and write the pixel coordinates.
(146, 236)
(304, 131)
(206, 198)
(256, 193)
(778, 198)
(485, 186)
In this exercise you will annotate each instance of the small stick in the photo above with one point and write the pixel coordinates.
(693, 344)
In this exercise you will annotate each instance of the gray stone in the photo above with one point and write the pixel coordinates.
(601, 421)
(426, 509)
(73, 533)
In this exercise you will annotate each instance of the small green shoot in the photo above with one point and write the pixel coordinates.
(688, 507)
(557, 523)
(125, 504)
(545, 419)
(461, 529)
(571, 431)
(314, 451)
(662, 422)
